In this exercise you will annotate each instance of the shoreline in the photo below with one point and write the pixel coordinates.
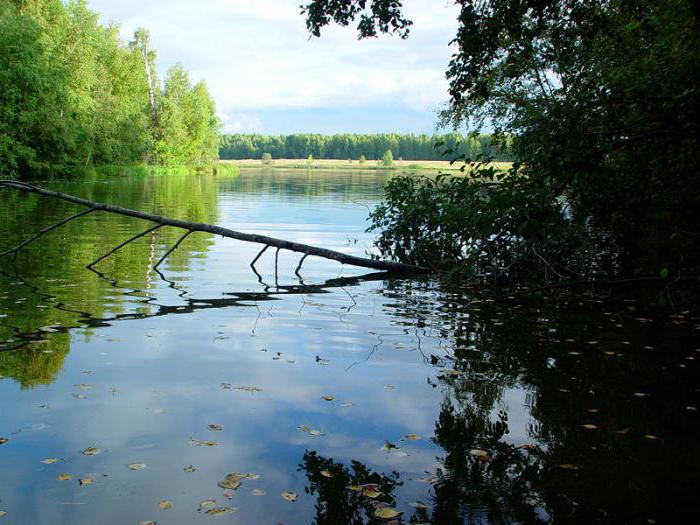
(369, 165)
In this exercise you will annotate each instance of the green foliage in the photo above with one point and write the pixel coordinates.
(310, 161)
(267, 158)
(371, 146)
(362, 159)
(187, 123)
(387, 158)
(599, 103)
(73, 95)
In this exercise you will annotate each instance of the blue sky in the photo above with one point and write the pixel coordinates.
(268, 76)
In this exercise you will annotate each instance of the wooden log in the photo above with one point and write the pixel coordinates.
(376, 264)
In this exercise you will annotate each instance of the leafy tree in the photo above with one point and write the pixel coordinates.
(600, 102)
(387, 158)
(267, 158)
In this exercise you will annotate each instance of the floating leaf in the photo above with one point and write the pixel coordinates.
(201, 442)
(229, 484)
(590, 426)
(148, 523)
(651, 437)
(165, 504)
(430, 480)
(389, 446)
(480, 454)
(418, 505)
(216, 428)
(412, 437)
(90, 451)
(386, 513)
(371, 493)
(310, 431)
(3, 441)
(622, 431)
(86, 481)
(252, 389)
(289, 496)
(189, 469)
(568, 466)
(257, 492)
(207, 504)
(252, 476)
(326, 474)
(328, 398)
(51, 461)
(220, 511)
(3, 513)
(64, 477)
(136, 466)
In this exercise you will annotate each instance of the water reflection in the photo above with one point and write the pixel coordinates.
(457, 409)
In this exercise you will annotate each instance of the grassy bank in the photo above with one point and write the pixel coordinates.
(332, 164)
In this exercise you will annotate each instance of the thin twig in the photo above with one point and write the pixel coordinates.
(301, 261)
(172, 249)
(43, 231)
(131, 239)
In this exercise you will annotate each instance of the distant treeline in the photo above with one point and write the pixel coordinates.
(73, 94)
(351, 146)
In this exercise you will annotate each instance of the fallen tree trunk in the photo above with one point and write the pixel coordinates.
(192, 227)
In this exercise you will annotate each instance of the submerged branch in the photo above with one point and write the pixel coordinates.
(280, 244)
(14, 251)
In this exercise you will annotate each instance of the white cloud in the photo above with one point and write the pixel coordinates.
(258, 55)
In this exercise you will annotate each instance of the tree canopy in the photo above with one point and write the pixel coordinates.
(73, 94)
(600, 98)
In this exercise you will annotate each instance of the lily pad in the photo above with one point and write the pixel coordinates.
(165, 504)
(3, 441)
(86, 481)
(328, 398)
(90, 451)
(189, 469)
(64, 477)
(51, 461)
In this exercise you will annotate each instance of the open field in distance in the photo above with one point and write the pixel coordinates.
(332, 164)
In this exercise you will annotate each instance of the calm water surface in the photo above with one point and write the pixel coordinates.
(447, 408)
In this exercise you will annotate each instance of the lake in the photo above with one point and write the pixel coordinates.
(207, 393)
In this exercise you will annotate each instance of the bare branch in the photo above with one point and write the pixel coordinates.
(138, 236)
(301, 261)
(224, 232)
(43, 231)
(172, 249)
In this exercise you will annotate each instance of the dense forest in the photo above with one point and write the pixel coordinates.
(371, 146)
(73, 95)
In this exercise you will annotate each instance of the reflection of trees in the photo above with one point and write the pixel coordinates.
(574, 366)
(36, 364)
(336, 504)
(49, 285)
